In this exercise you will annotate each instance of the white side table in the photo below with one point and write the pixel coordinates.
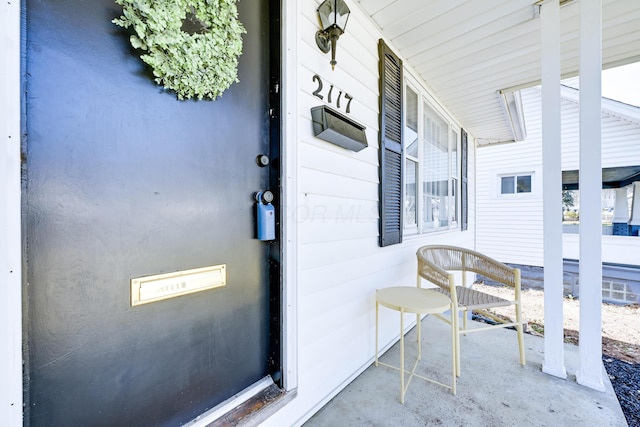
(420, 301)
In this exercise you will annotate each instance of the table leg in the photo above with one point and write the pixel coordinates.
(419, 327)
(377, 309)
(402, 356)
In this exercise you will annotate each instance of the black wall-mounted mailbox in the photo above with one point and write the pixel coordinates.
(338, 129)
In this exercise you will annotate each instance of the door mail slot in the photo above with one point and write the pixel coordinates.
(338, 129)
(169, 285)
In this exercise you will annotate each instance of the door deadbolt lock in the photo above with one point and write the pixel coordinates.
(262, 160)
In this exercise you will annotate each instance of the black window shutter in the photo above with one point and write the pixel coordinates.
(391, 179)
(464, 194)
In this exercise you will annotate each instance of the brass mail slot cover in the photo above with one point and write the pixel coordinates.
(169, 285)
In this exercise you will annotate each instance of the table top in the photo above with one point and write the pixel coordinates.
(413, 299)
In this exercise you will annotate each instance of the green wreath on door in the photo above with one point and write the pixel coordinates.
(192, 45)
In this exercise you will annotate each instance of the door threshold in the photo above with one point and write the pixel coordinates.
(251, 406)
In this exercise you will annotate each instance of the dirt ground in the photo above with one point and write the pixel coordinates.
(620, 324)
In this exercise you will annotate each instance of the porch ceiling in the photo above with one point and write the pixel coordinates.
(468, 50)
(617, 177)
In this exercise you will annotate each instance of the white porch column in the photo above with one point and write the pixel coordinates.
(552, 190)
(10, 240)
(634, 219)
(590, 371)
(621, 206)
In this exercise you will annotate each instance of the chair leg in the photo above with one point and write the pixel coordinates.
(521, 344)
(520, 329)
(464, 322)
(454, 359)
(456, 328)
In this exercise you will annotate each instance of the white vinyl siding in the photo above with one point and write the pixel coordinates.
(615, 249)
(620, 139)
(339, 262)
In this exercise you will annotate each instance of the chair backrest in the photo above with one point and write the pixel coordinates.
(449, 258)
(433, 273)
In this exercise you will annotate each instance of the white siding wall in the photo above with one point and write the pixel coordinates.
(510, 229)
(615, 249)
(340, 264)
(620, 139)
(510, 226)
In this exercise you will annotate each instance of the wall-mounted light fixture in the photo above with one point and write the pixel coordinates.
(333, 16)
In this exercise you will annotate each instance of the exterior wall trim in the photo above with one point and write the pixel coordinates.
(10, 214)
(289, 114)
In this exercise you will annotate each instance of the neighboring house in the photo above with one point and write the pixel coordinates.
(509, 198)
(107, 180)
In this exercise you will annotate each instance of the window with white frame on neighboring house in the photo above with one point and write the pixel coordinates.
(516, 184)
(432, 166)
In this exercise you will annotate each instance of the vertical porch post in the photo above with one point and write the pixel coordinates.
(590, 370)
(552, 190)
(621, 213)
(621, 206)
(634, 219)
(10, 242)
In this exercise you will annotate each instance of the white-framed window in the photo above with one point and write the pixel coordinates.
(432, 165)
(455, 177)
(411, 159)
(516, 183)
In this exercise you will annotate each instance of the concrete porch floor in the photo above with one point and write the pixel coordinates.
(493, 389)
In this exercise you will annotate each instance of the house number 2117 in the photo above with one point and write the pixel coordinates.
(317, 93)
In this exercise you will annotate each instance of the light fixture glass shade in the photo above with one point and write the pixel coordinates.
(333, 13)
(333, 16)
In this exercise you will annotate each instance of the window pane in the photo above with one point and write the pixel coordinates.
(410, 196)
(455, 173)
(435, 182)
(411, 128)
(524, 184)
(455, 169)
(508, 185)
(454, 199)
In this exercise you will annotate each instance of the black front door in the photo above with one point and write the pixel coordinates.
(122, 180)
